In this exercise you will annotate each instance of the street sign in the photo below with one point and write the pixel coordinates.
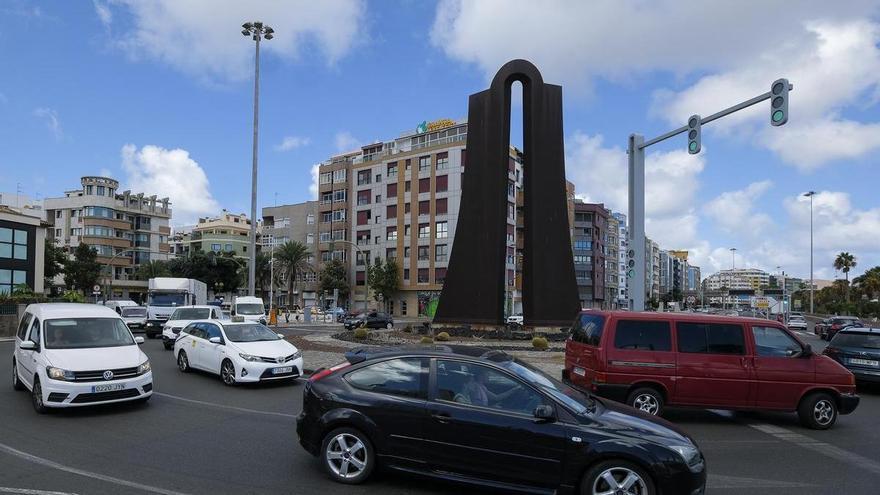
(96, 288)
(691, 299)
(761, 302)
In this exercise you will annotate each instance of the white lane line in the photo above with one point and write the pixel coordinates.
(81, 472)
(823, 448)
(28, 491)
(223, 406)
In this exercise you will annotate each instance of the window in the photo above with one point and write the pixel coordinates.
(392, 170)
(710, 338)
(100, 190)
(407, 377)
(407, 230)
(338, 235)
(310, 219)
(58, 213)
(442, 230)
(587, 329)
(442, 183)
(406, 208)
(363, 217)
(227, 247)
(441, 206)
(424, 163)
(339, 175)
(98, 211)
(440, 253)
(406, 273)
(407, 164)
(424, 231)
(59, 232)
(13, 243)
(378, 178)
(10, 278)
(423, 276)
(773, 342)
(439, 275)
(391, 211)
(406, 252)
(310, 238)
(583, 245)
(406, 186)
(511, 188)
(643, 335)
(424, 185)
(326, 178)
(583, 259)
(378, 198)
(424, 207)
(391, 234)
(442, 160)
(339, 195)
(391, 253)
(215, 248)
(480, 386)
(423, 253)
(35, 332)
(363, 197)
(326, 217)
(391, 190)
(363, 237)
(363, 177)
(23, 325)
(338, 215)
(378, 219)
(90, 189)
(403, 307)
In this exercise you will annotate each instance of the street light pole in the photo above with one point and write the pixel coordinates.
(366, 269)
(810, 195)
(257, 31)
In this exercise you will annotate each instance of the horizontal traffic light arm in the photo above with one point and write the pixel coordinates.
(710, 118)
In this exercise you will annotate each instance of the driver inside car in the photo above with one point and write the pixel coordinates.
(478, 394)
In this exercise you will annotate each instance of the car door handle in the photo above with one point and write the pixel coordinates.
(443, 418)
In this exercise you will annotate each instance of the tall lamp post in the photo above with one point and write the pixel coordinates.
(256, 31)
(732, 270)
(810, 195)
(366, 269)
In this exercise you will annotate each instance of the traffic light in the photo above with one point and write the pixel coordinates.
(630, 264)
(694, 138)
(779, 102)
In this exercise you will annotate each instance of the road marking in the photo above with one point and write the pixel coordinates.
(27, 491)
(223, 406)
(823, 448)
(81, 472)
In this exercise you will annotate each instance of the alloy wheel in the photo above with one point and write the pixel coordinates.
(647, 403)
(823, 412)
(346, 455)
(182, 362)
(619, 481)
(227, 372)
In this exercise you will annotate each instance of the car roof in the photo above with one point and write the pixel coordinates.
(844, 317)
(694, 317)
(70, 310)
(456, 351)
(196, 306)
(862, 330)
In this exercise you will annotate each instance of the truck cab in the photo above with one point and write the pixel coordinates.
(249, 308)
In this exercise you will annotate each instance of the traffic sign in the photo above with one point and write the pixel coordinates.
(691, 299)
(761, 302)
(96, 288)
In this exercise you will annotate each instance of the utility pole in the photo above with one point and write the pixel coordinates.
(810, 195)
(637, 267)
(257, 31)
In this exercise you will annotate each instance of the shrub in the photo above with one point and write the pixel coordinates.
(540, 343)
(407, 329)
(442, 337)
(73, 296)
(361, 333)
(427, 340)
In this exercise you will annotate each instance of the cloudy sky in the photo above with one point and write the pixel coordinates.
(158, 94)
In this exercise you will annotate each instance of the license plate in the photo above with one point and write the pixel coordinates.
(864, 362)
(110, 387)
(579, 371)
(282, 370)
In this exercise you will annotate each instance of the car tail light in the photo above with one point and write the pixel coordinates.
(328, 371)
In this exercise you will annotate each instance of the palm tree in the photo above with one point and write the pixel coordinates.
(845, 262)
(293, 257)
(869, 282)
(262, 273)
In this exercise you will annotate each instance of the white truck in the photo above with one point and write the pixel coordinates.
(166, 294)
(250, 308)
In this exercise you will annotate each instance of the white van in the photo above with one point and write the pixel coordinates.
(117, 305)
(72, 355)
(250, 308)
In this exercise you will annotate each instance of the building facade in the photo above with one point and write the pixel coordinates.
(126, 229)
(612, 277)
(589, 231)
(622, 247)
(294, 222)
(225, 233)
(22, 251)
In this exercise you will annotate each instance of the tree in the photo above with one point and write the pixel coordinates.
(869, 282)
(152, 269)
(81, 272)
(845, 262)
(384, 280)
(53, 260)
(293, 257)
(262, 272)
(332, 277)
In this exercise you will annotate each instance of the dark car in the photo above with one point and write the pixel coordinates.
(857, 349)
(370, 320)
(478, 416)
(819, 327)
(838, 323)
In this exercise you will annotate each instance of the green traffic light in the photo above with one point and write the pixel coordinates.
(692, 146)
(778, 116)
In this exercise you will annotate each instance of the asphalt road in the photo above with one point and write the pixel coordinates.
(197, 436)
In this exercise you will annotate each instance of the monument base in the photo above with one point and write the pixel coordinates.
(500, 332)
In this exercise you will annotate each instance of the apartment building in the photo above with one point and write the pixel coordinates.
(225, 233)
(399, 199)
(612, 277)
(294, 222)
(622, 243)
(589, 231)
(126, 229)
(22, 251)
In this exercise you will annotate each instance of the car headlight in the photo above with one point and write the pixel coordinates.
(690, 454)
(248, 357)
(144, 367)
(298, 354)
(59, 374)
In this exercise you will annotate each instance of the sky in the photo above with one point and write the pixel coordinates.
(159, 95)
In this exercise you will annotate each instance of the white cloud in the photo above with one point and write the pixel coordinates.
(53, 123)
(345, 142)
(202, 37)
(292, 143)
(172, 173)
(733, 210)
(313, 187)
(809, 145)
(103, 11)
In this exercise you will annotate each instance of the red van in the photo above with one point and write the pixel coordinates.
(651, 360)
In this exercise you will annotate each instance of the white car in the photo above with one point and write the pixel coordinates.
(517, 319)
(134, 316)
(238, 351)
(797, 323)
(71, 355)
(182, 317)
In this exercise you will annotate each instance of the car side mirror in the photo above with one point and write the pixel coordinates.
(138, 340)
(808, 351)
(215, 340)
(27, 345)
(544, 413)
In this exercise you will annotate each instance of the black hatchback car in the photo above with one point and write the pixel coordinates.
(858, 350)
(478, 416)
(372, 319)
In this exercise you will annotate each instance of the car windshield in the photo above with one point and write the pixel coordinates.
(249, 308)
(249, 333)
(83, 333)
(575, 400)
(167, 300)
(867, 341)
(191, 314)
(138, 311)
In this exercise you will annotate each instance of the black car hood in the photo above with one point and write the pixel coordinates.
(634, 423)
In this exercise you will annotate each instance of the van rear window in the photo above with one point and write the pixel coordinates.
(643, 335)
(587, 329)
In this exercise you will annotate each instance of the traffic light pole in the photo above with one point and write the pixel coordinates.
(636, 150)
